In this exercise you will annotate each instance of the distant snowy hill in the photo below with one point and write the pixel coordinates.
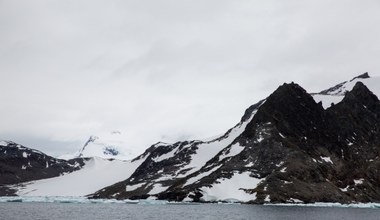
(336, 93)
(109, 146)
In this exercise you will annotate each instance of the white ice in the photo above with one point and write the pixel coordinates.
(232, 189)
(95, 175)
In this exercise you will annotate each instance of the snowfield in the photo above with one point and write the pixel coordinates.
(96, 174)
(232, 190)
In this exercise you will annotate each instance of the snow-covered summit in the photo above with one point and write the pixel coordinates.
(336, 93)
(108, 146)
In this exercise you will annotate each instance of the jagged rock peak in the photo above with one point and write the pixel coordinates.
(361, 94)
(292, 110)
(361, 76)
(289, 87)
(289, 96)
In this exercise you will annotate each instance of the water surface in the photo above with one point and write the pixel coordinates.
(64, 211)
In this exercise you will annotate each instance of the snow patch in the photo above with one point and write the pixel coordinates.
(187, 199)
(133, 187)
(235, 149)
(228, 189)
(250, 164)
(327, 159)
(166, 156)
(280, 164)
(327, 100)
(295, 200)
(267, 198)
(359, 181)
(259, 139)
(158, 188)
(262, 133)
(200, 176)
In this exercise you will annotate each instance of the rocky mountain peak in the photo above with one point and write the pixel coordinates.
(362, 76)
(292, 110)
(289, 96)
(362, 107)
(361, 94)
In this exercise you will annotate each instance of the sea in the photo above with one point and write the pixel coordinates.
(90, 211)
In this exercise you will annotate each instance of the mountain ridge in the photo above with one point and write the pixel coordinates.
(310, 135)
(287, 148)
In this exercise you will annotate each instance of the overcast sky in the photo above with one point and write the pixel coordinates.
(167, 70)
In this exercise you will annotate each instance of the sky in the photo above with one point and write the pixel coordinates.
(167, 70)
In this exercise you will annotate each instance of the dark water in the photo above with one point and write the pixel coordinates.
(41, 211)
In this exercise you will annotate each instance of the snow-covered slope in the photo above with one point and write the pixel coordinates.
(166, 163)
(96, 174)
(336, 93)
(270, 156)
(109, 146)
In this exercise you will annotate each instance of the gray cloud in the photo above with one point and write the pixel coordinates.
(167, 69)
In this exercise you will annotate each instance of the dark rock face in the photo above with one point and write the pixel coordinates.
(110, 151)
(362, 76)
(300, 151)
(20, 164)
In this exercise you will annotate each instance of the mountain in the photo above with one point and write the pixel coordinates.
(286, 148)
(336, 93)
(21, 164)
(292, 147)
(109, 146)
